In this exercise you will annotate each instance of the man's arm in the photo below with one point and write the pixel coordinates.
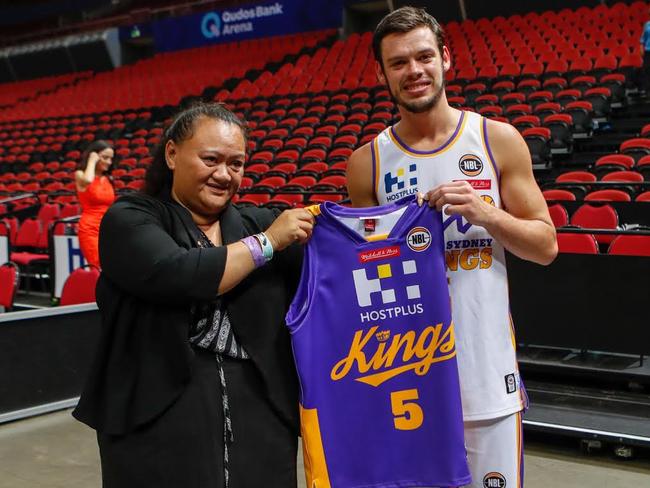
(524, 228)
(361, 188)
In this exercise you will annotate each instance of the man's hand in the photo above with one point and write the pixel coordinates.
(460, 199)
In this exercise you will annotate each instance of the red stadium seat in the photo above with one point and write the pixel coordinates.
(287, 200)
(615, 161)
(561, 134)
(576, 243)
(537, 139)
(312, 169)
(630, 245)
(581, 113)
(79, 287)
(576, 177)
(9, 281)
(513, 98)
(559, 215)
(631, 176)
(270, 183)
(636, 148)
(643, 197)
(299, 183)
(558, 195)
(325, 197)
(608, 195)
(601, 217)
(524, 122)
(256, 199)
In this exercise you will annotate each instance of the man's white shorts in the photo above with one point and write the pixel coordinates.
(495, 452)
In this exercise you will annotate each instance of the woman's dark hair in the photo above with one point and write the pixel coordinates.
(159, 177)
(95, 146)
(404, 20)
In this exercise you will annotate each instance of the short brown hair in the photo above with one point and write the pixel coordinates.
(404, 20)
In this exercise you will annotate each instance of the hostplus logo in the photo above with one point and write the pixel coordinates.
(381, 291)
(397, 182)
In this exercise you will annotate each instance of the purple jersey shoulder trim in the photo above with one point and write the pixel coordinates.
(489, 149)
(374, 166)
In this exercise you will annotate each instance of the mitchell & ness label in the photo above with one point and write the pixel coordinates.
(376, 254)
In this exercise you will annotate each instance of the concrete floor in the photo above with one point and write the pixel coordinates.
(55, 451)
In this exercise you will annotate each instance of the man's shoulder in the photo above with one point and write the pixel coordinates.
(361, 154)
(501, 131)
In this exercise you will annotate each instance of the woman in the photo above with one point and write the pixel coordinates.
(95, 193)
(193, 384)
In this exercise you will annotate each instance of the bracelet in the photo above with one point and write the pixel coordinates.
(265, 244)
(254, 247)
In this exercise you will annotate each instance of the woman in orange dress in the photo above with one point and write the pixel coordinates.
(96, 194)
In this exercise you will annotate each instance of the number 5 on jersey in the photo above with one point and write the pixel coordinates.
(408, 414)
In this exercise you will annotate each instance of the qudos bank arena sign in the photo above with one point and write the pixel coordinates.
(273, 18)
(237, 21)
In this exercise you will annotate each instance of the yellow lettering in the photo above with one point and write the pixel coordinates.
(451, 257)
(486, 257)
(427, 348)
(356, 354)
(469, 258)
(398, 341)
(428, 351)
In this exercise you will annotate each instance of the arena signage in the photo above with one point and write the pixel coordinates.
(4, 249)
(247, 22)
(67, 258)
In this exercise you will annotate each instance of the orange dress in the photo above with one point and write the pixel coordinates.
(94, 200)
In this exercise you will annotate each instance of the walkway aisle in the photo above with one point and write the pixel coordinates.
(55, 451)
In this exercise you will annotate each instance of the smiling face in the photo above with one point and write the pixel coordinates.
(414, 69)
(208, 167)
(105, 159)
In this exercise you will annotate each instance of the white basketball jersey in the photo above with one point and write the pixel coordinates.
(489, 377)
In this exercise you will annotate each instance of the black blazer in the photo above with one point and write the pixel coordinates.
(152, 271)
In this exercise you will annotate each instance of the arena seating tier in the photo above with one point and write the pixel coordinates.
(557, 77)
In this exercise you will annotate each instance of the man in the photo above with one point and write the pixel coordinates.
(480, 173)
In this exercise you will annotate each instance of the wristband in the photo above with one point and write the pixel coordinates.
(254, 247)
(265, 244)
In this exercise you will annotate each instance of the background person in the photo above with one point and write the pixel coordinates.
(645, 53)
(95, 192)
(194, 383)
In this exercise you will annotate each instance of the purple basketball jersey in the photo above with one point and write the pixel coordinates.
(375, 352)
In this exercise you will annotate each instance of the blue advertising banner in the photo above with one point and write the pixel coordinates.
(247, 22)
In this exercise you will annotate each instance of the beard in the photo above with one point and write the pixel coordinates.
(420, 106)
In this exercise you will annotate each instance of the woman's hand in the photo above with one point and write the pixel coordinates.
(291, 226)
(93, 158)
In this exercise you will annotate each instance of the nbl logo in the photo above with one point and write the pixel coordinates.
(470, 165)
(398, 181)
(494, 480)
(418, 239)
(366, 287)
